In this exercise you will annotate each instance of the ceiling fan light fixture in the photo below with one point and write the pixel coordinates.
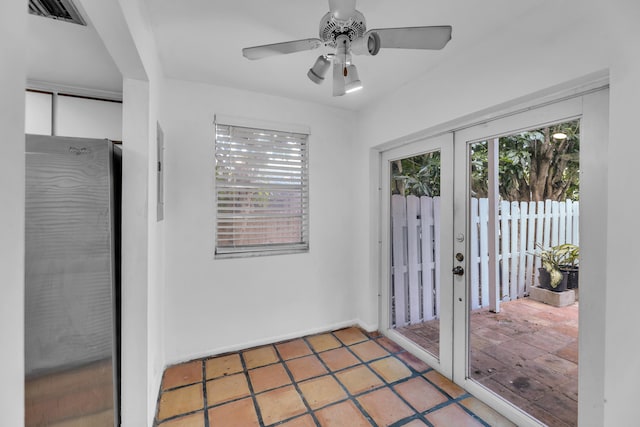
(352, 81)
(368, 44)
(319, 70)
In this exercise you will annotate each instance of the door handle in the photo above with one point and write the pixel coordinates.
(458, 271)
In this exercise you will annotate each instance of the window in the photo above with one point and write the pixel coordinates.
(262, 191)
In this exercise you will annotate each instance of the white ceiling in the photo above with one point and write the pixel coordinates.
(202, 41)
(69, 55)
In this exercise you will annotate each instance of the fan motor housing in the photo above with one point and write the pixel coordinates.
(331, 28)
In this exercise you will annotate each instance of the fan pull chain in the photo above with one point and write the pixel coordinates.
(344, 71)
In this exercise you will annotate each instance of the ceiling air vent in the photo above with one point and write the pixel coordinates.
(63, 10)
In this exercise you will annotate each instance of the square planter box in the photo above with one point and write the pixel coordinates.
(556, 299)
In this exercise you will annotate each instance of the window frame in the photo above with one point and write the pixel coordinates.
(296, 133)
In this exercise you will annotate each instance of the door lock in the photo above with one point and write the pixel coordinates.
(459, 257)
(458, 271)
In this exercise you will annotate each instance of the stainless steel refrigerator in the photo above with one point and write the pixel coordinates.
(71, 280)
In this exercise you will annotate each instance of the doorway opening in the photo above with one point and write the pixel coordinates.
(522, 206)
(470, 350)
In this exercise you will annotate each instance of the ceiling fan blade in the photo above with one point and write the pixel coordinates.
(342, 10)
(259, 52)
(414, 37)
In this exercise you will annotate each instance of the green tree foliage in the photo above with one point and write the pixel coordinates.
(533, 166)
(418, 176)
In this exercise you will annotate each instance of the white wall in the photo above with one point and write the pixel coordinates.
(38, 108)
(72, 116)
(560, 42)
(138, 23)
(87, 118)
(125, 31)
(622, 350)
(13, 29)
(218, 305)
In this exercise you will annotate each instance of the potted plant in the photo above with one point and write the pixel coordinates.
(569, 255)
(559, 270)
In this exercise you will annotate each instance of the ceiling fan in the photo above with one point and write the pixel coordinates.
(344, 29)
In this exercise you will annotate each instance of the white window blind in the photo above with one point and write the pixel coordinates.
(262, 191)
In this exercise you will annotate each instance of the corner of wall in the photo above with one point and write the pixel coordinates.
(13, 27)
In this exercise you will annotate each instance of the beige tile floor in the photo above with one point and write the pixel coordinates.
(346, 378)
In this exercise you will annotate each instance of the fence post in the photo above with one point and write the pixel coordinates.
(505, 215)
(399, 257)
(484, 252)
(531, 246)
(428, 264)
(413, 211)
(437, 222)
(522, 266)
(546, 218)
(569, 231)
(513, 252)
(562, 226)
(576, 221)
(474, 259)
(555, 220)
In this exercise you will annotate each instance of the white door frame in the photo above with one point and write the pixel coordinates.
(444, 144)
(562, 111)
(589, 100)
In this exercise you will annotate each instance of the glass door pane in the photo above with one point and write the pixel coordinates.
(523, 215)
(415, 249)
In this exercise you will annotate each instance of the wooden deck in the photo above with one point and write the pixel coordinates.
(527, 353)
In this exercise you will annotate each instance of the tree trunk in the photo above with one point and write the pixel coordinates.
(397, 185)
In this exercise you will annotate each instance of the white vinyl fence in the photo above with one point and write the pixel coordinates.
(416, 250)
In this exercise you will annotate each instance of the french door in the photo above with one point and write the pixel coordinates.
(447, 239)
(417, 244)
(502, 350)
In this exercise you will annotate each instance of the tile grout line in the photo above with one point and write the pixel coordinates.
(354, 397)
(157, 421)
(350, 397)
(297, 387)
(204, 393)
(252, 393)
(416, 374)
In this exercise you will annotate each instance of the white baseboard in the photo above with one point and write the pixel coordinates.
(271, 340)
(369, 327)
